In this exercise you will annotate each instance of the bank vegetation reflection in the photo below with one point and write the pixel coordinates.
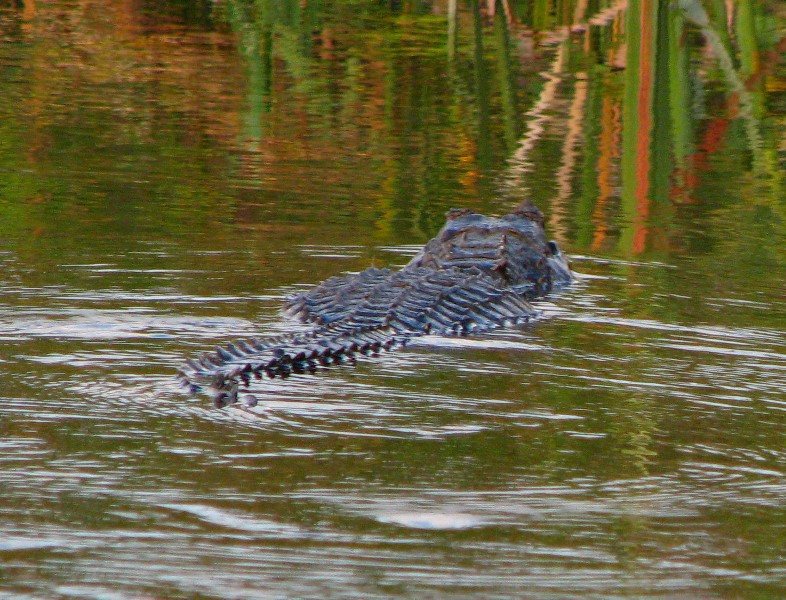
(612, 135)
(611, 115)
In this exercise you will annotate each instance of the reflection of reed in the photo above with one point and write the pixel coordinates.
(255, 42)
(641, 26)
(30, 10)
(452, 29)
(680, 109)
(607, 15)
(644, 157)
(491, 9)
(564, 174)
(519, 165)
(609, 144)
(695, 12)
(611, 134)
(566, 170)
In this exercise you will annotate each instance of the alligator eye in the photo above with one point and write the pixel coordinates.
(554, 248)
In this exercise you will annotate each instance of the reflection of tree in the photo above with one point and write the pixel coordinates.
(594, 109)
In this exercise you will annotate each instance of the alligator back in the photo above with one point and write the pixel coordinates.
(476, 275)
(413, 301)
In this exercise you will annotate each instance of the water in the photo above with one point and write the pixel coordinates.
(169, 175)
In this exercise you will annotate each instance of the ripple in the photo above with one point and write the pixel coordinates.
(17, 543)
(231, 520)
(429, 520)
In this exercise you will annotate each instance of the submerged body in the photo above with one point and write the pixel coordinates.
(477, 274)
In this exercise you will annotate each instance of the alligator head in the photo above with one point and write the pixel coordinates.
(512, 248)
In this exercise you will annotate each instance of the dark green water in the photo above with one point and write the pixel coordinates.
(169, 172)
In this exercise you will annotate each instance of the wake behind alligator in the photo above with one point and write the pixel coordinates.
(479, 273)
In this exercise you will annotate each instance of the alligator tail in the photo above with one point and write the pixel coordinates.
(223, 372)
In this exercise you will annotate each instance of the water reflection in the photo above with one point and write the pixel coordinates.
(169, 171)
(619, 156)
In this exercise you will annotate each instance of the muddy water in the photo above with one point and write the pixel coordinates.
(168, 178)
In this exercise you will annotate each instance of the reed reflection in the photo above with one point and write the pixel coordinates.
(612, 116)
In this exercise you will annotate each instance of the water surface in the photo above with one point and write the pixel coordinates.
(168, 175)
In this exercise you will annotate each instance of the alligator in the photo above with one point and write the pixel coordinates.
(479, 273)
